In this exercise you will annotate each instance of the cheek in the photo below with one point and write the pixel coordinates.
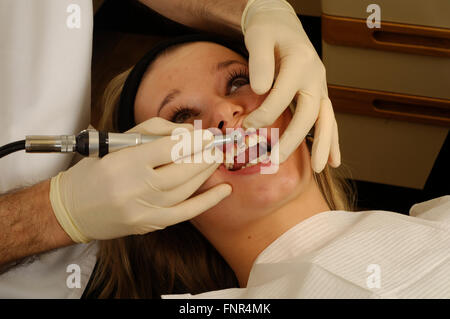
(291, 179)
(273, 191)
(255, 101)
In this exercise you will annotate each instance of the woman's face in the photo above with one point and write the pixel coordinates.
(208, 82)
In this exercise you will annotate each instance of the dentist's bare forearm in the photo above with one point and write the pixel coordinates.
(28, 225)
(221, 15)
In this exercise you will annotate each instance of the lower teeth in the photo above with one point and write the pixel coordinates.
(261, 159)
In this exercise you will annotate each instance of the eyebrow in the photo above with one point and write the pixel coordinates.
(224, 64)
(169, 97)
(220, 66)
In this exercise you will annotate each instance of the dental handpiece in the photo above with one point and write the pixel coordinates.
(94, 143)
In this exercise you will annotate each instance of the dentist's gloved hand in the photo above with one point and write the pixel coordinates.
(277, 42)
(132, 191)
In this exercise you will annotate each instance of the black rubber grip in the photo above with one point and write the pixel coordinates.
(103, 141)
(83, 143)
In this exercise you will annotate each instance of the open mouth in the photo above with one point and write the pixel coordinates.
(253, 149)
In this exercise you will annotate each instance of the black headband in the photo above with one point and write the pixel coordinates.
(124, 115)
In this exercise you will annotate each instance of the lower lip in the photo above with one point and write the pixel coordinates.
(247, 170)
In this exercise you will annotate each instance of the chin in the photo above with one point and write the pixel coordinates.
(256, 195)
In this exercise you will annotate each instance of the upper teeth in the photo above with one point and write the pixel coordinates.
(249, 141)
(238, 150)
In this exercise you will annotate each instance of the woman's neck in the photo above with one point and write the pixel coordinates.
(241, 247)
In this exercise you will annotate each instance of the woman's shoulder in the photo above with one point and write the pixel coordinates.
(437, 209)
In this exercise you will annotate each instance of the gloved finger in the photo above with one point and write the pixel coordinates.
(196, 205)
(279, 98)
(261, 61)
(335, 153)
(169, 148)
(301, 123)
(173, 175)
(323, 133)
(183, 191)
(158, 126)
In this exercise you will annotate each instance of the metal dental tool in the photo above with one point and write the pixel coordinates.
(93, 143)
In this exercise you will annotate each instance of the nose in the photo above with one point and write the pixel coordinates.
(228, 115)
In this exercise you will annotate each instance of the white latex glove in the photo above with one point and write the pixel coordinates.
(126, 193)
(278, 44)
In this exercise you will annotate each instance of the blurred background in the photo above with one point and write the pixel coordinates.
(390, 86)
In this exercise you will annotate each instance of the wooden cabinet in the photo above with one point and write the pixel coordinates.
(390, 86)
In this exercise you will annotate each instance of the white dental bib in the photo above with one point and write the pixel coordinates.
(371, 254)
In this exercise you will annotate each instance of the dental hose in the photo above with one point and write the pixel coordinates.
(88, 143)
(11, 148)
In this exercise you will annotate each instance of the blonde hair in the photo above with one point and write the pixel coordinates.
(177, 259)
(110, 102)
